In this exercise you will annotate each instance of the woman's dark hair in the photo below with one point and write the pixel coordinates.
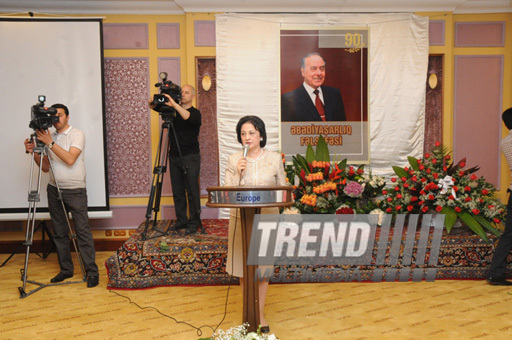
(507, 118)
(61, 106)
(258, 125)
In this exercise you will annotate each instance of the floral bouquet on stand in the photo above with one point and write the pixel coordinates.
(328, 188)
(437, 184)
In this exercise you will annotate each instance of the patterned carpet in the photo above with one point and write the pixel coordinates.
(200, 259)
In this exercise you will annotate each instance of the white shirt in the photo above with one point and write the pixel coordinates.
(310, 91)
(68, 177)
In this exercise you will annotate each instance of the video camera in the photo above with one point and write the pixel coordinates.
(159, 100)
(42, 117)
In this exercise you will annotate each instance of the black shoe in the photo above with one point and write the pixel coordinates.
(92, 281)
(191, 231)
(175, 226)
(265, 330)
(60, 277)
(499, 281)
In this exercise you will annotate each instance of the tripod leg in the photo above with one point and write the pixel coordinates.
(12, 254)
(161, 161)
(33, 198)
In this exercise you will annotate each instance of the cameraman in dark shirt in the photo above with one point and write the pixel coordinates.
(186, 126)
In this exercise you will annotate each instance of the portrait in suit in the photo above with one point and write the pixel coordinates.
(313, 101)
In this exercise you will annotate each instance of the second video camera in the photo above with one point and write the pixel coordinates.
(159, 100)
(42, 118)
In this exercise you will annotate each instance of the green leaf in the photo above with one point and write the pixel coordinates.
(468, 219)
(301, 164)
(400, 172)
(450, 219)
(343, 164)
(310, 154)
(488, 225)
(322, 150)
(413, 161)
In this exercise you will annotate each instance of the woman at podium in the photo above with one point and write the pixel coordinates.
(253, 166)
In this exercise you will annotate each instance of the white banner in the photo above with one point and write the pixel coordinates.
(248, 79)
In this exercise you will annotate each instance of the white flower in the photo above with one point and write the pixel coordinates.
(380, 213)
(291, 211)
(252, 336)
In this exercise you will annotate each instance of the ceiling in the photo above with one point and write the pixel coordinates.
(165, 7)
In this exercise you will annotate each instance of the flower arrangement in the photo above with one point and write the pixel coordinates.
(436, 183)
(240, 333)
(326, 187)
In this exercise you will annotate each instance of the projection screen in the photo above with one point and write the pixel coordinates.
(63, 60)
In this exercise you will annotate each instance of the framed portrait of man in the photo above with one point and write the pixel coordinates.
(324, 91)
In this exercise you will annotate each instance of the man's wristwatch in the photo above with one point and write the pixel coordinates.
(51, 145)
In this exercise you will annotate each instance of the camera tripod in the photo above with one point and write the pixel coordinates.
(161, 162)
(33, 198)
(45, 231)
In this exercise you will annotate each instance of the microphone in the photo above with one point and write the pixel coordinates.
(246, 149)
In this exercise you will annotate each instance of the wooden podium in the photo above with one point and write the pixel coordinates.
(249, 200)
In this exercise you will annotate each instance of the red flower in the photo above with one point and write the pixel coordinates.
(455, 188)
(451, 197)
(476, 211)
(421, 167)
(427, 155)
(406, 169)
(398, 207)
(462, 164)
(393, 179)
(403, 179)
(431, 197)
(435, 174)
(424, 209)
(484, 192)
(447, 157)
(429, 171)
(399, 196)
(445, 168)
(384, 192)
(437, 144)
(423, 180)
(397, 188)
(389, 210)
(389, 199)
(414, 199)
(461, 173)
(467, 199)
(410, 207)
(434, 161)
(496, 220)
(345, 211)
(457, 209)
(467, 188)
(473, 177)
(360, 171)
(439, 208)
(421, 202)
(406, 185)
